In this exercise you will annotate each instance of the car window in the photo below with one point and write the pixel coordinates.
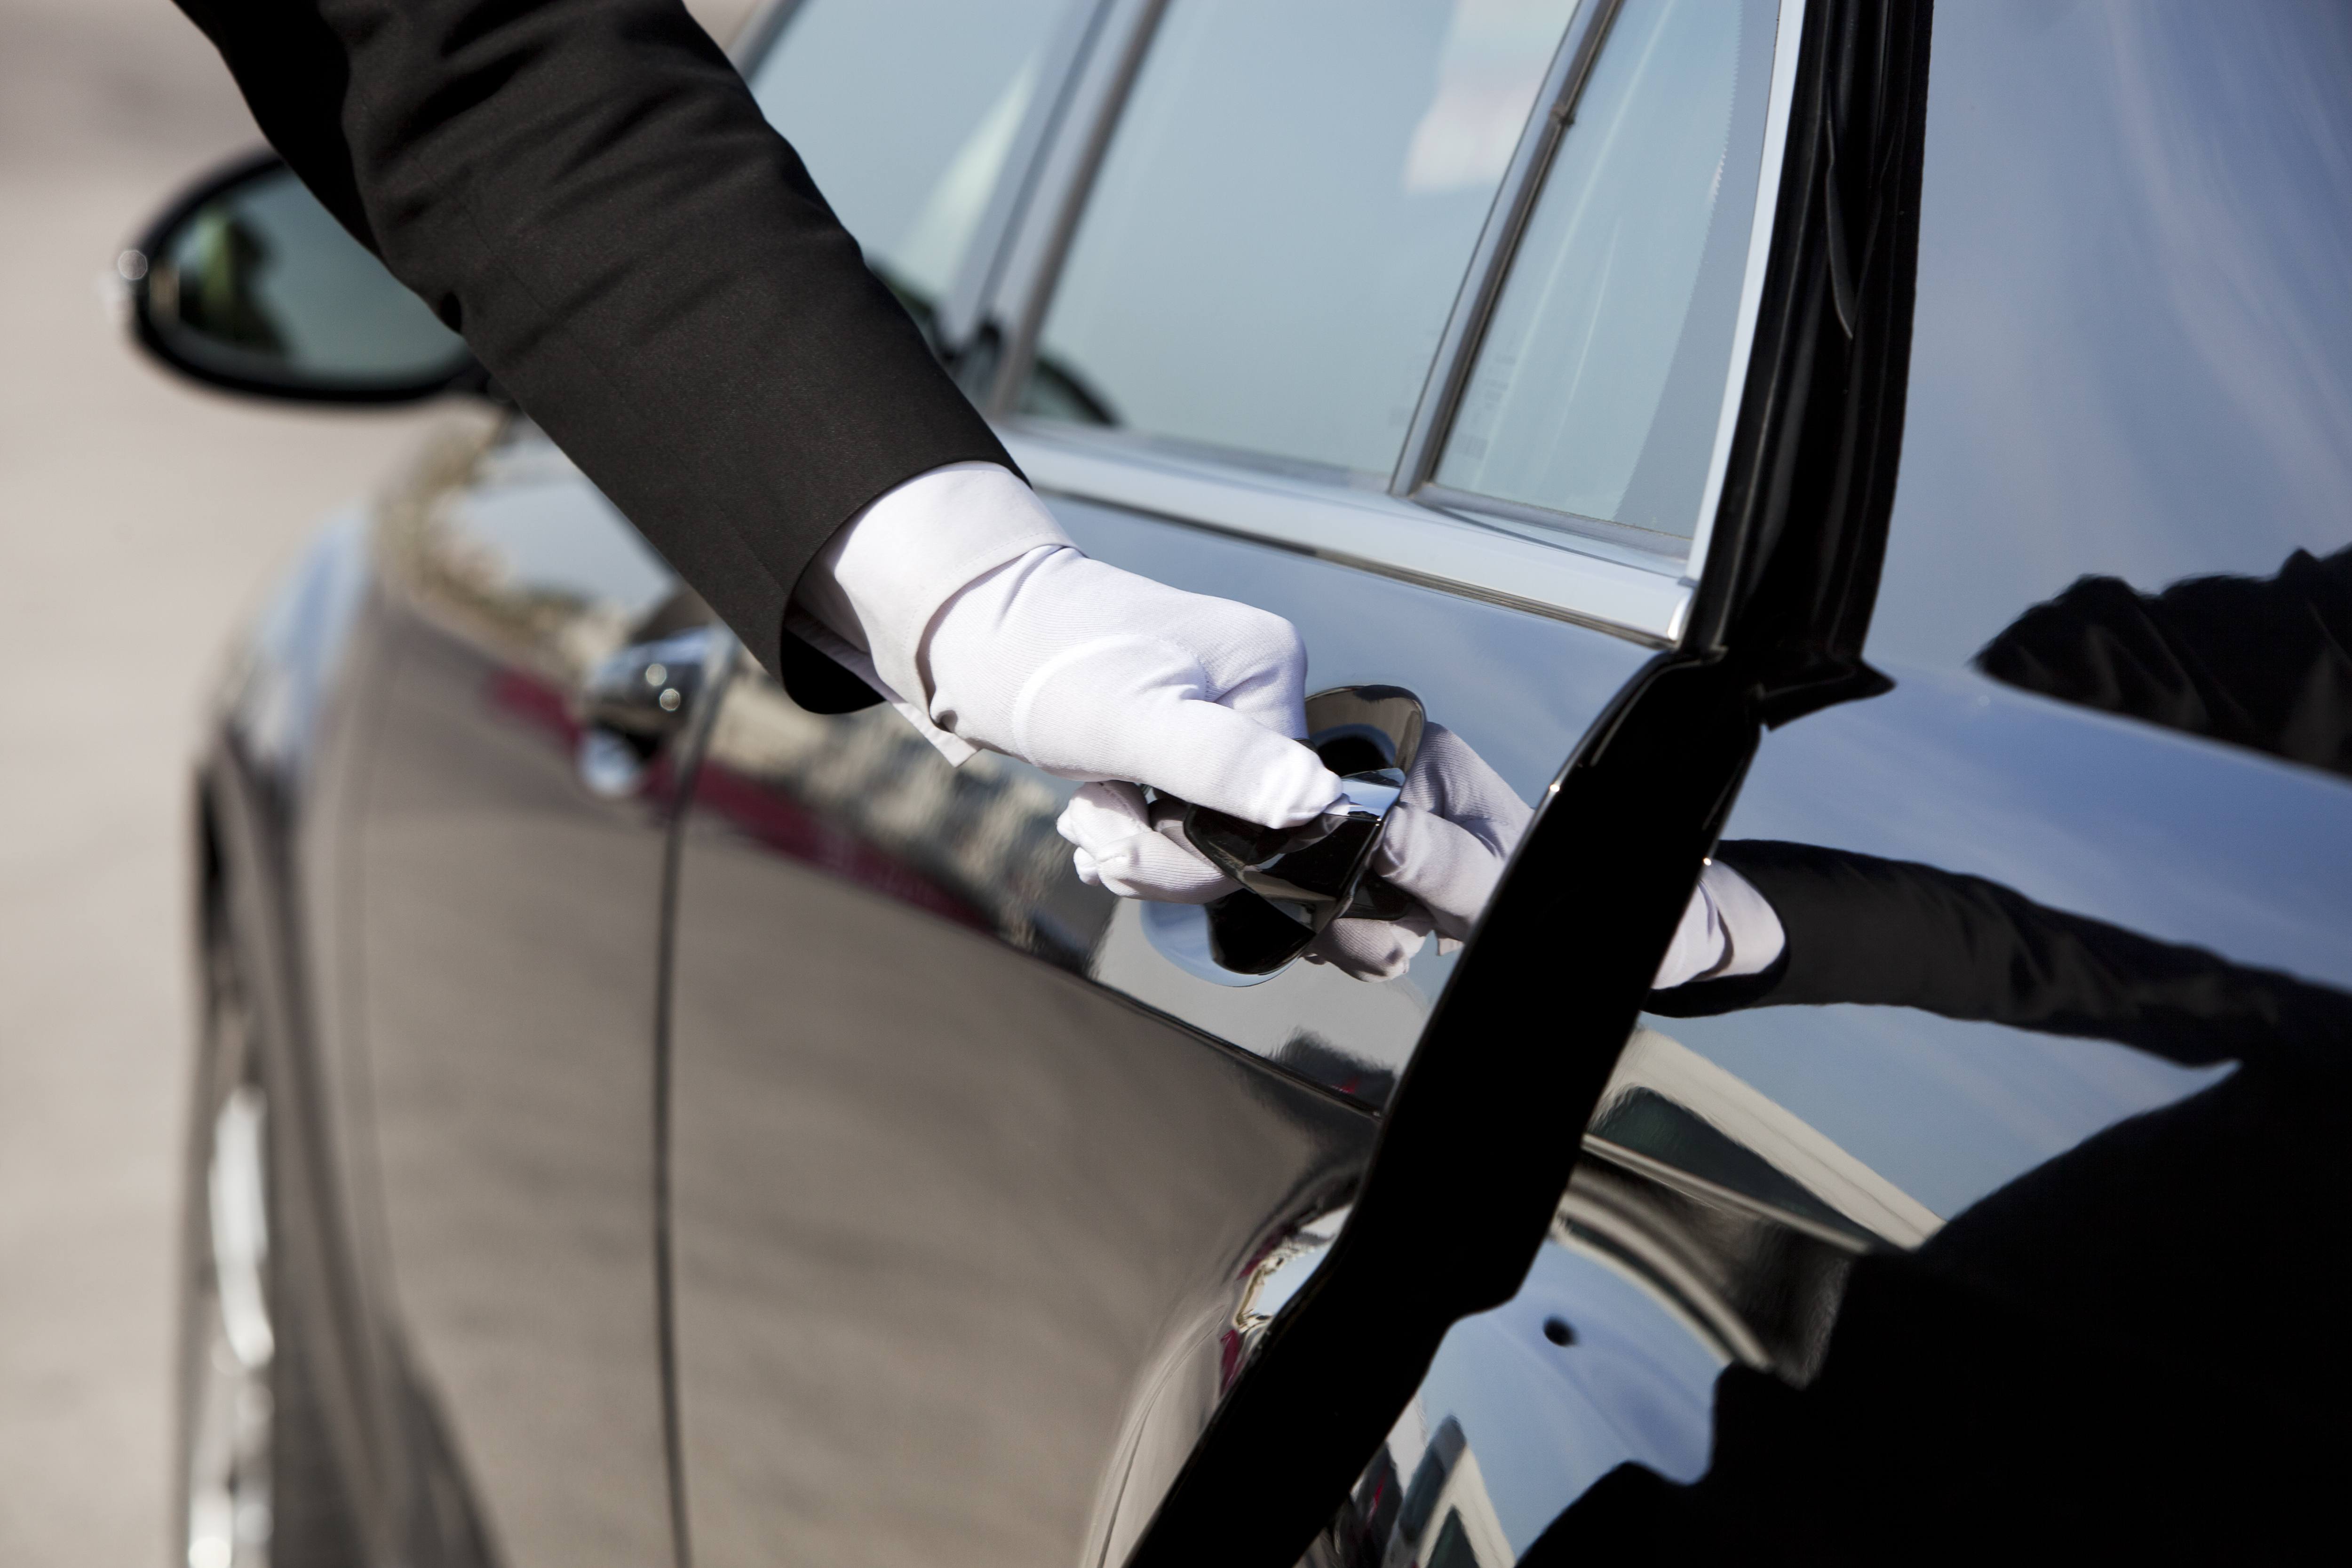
(1599, 381)
(904, 111)
(1283, 218)
(2131, 352)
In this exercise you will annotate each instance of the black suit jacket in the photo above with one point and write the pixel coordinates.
(586, 190)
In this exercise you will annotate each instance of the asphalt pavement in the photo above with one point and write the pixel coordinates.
(139, 518)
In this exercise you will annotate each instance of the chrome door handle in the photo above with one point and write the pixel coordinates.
(1296, 881)
(636, 699)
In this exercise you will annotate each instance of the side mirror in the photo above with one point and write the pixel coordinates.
(247, 282)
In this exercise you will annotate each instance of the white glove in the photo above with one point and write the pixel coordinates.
(1445, 843)
(1137, 851)
(987, 628)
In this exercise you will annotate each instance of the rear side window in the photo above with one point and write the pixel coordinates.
(1283, 219)
(904, 111)
(1600, 382)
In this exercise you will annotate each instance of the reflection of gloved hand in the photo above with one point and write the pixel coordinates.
(1445, 844)
(989, 628)
(1728, 927)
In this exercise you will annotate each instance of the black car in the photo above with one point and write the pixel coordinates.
(1904, 457)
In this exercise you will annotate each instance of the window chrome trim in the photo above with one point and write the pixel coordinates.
(756, 33)
(1785, 45)
(1033, 254)
(1365, 529)
(1418, 532)
(1060, 70)
(1641, 547)
(1498, 242)
(1588, 32)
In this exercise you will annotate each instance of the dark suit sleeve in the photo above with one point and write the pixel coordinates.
(586, 190)
(2264, 662)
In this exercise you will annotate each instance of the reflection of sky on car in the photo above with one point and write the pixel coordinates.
(2132, 353)
(527, 515)
(1975, 1105)
(1637, 1385)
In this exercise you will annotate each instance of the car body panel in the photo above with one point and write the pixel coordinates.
(944, 1213)
(2118, 1213)
(873, 878)
(867, 1087)
(499, 963)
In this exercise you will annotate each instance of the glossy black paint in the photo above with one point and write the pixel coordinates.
(1471, 1162)
(405, 726)
(898, 1011)
(506, 945)
(1471, 1158)
(2028, 940)
(953, 1225)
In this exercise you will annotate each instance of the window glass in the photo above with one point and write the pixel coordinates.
(904, 111)
(1598, 384)
(2131, 346)
(1283, 217)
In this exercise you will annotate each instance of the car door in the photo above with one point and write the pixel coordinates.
(984, 1186)
(1999, 1209)
(500, 872)
(2069, 904)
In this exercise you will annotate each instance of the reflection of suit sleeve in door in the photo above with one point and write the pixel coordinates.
(1891, 934)
(2260, 662)
(586, 190)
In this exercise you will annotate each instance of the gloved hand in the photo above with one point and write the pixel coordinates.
(1445, 843)
(959, 596)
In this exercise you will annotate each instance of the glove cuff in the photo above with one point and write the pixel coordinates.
(860, 663)
(886, 574)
